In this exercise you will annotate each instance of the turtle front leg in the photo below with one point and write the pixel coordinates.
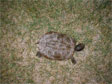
(73, 60)
(38, 54)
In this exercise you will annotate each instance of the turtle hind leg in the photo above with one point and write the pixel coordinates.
(37, 43)
(73, 60)
(38, 54)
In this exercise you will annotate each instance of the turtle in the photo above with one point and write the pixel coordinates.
(58, 46)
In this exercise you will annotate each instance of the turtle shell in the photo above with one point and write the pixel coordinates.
(56, 46)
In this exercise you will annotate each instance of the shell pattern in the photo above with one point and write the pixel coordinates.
(56, 46)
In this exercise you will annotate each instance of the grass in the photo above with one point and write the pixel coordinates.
(22, 23)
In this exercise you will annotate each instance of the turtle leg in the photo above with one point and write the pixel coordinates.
(38, 54)
(37, 43)
(73, 60)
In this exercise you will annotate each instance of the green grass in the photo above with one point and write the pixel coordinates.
(22, 23)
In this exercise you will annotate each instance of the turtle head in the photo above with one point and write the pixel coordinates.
(79, 47)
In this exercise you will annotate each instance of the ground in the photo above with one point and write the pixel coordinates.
(22, 23)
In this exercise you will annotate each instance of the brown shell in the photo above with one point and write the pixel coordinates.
(56, 46)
